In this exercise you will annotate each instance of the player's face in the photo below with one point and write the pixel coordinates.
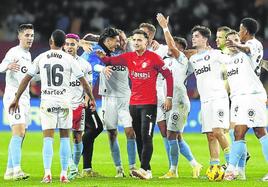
(220, 39)
(26, 38)
(123, 40)
(242, 33)
(112, 43)
(149, 33)
(198, 41)
(235, 38)
(71, 46)
(140, 42)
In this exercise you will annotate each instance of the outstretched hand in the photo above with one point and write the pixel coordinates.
(14, 66)
(100, 53)
(108, 71)
(163, 22)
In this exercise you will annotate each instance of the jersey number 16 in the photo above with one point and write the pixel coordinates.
(54, 74)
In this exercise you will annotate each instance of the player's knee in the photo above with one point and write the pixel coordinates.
(77, 138)
(171, 135)
(130, 134)
(239, 135)
(112, 135)
(86, 138)
(179, 137)
(260, 132)
(211, 137)
(218, 132)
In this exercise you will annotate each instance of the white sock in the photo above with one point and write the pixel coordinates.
(9, 170)
(173, 168)
(193, 163)
(63, 173)
(16, 169)
(132, 166)
(87, 169)
(47, 172)
(230, 168)
(119, 168)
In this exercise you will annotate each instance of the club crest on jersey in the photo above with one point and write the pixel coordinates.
(237, 60)
(144, 65)
(202, 70)
(207, 57)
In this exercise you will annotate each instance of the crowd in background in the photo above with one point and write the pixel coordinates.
(93, 16)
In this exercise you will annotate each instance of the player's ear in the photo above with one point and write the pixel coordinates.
(50, 41)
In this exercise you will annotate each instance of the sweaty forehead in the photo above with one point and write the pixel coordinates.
(70, 40)
(27, 31)
(138, 36)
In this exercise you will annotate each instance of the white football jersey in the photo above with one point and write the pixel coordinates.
(56, 68)
(162, 51)
(13, 79)
(241, 77)
(179, 69)
(77, 90)
(208, 69)
(256, 54)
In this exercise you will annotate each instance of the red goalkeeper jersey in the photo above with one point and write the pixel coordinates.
(143, 71)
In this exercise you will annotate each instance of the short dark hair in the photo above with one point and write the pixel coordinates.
(91, 37)
(149, 26)
(109, 32)
(58, 37)
(224, 28)
(138, 31)
(251, 25)
(204, 31)
(231, 32)
(23, 27)
(181, 41)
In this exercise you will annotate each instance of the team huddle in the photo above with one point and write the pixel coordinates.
(142, 83)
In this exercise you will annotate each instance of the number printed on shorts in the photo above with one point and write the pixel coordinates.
(54, 74)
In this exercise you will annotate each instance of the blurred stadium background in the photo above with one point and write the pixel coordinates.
(93, 16)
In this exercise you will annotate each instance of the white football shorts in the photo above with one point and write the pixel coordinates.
(215, 114)
(115, 111)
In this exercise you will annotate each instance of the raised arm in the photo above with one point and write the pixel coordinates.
(169, 81)
(14, 106)
(114, 60)
(163, 22)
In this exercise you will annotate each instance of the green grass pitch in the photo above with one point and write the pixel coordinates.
(102, 162)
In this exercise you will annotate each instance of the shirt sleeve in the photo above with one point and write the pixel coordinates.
(9, 58)
(117, 60)
(88, 72)
(34, 69)
(76, 70)
(160, 66)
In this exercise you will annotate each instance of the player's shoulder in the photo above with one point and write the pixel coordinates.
(83, 62)
(253, 41)
(162, 50)
(182, 58)
(14, 50)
